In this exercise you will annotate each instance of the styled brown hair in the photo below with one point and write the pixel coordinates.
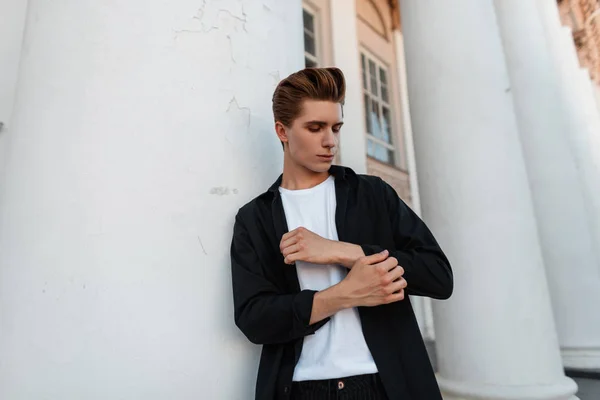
(326, 84)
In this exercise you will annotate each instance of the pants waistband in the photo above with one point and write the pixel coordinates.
(340, 383)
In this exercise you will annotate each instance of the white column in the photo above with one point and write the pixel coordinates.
(406, 123)
(353, 150)
(584, 139)
(11, 38)
(591, 110)
(140, 128)
(585, 131)
(558, 196)
(597, 92)
(584, 124)
(421, 305)
(495, 337)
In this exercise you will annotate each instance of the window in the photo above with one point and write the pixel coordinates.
(378, 114)
(311, 58)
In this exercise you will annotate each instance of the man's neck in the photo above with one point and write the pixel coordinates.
(297, 177)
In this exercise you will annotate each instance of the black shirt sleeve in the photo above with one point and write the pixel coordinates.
(262, 312)
(427, 270)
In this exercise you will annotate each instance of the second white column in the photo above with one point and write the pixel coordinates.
(495, 337)
(558, 195)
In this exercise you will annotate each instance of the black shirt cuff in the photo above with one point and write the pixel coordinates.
(303, 304)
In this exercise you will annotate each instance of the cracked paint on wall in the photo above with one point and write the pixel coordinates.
(239, 119)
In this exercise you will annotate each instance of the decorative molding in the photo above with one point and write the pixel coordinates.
(382, 21)
(374, 29)
(395, 12)
(585, 358)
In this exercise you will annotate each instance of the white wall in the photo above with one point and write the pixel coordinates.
(140, 128)
(12, 19)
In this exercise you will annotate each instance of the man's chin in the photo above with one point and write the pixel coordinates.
(319, 168)
(322, 169)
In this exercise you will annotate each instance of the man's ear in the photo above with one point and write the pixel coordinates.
(281, 131)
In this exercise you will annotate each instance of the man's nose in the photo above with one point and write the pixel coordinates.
(329, 139)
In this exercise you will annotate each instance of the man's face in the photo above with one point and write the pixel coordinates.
(312, 140)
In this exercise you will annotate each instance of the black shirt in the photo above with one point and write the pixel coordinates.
(270, 309)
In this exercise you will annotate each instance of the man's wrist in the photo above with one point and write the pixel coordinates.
(330, 301)
(346, 254)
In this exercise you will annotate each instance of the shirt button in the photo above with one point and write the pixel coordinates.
(340, 385)
(286, 389)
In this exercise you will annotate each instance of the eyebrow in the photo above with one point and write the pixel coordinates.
(322, 123)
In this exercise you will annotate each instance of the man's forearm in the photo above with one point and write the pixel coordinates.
(347, 254)
(328, 302)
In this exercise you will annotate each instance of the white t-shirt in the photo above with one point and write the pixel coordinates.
(338, 349)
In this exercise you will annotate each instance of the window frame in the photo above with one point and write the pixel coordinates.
(316, 34)
(377, 97)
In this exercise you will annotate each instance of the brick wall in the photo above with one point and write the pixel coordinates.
(584, 18)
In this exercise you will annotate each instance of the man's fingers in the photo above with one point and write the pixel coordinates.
(399, 285)
(386, 265)
(395, 273)
(291, 250)
(289, 242)
(291, 259)
(403, 283)
(290, 234)
(390, 264)
(376, 258)
(292, 237)
(395, 297)
(394, 287)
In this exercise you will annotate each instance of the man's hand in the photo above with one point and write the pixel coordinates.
(373, 281)
(304, 245)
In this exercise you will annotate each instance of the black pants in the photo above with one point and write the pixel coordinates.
(360, 387)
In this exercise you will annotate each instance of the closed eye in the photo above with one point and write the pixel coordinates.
(316, 126)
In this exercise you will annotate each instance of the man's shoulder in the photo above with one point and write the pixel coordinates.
(372, 180)
(370, 183)
(358, 179)
(259, 205)
(255, 206)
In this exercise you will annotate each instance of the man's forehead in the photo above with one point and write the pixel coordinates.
(321, 109)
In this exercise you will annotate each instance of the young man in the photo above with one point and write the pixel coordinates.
(322, 264)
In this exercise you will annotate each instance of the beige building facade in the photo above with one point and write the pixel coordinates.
(381, 95)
